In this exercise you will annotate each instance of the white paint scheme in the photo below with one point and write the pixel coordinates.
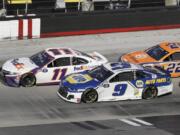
(132, 92)
(45, 74)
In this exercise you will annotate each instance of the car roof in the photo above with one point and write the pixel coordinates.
(62, 52)
(121, 66)
(171, 47)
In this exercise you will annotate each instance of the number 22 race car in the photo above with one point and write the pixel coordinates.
(113, 82)
(48, 66)
(165, 55)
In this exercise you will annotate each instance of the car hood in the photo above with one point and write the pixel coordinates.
(20, 65)
(79, 82)
(137, 57)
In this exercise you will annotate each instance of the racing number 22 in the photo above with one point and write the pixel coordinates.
(119, 89)
(173, 67)
(59, 73)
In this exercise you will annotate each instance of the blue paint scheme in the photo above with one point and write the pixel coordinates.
(156, 84)
(10, 81)
(116, 66)
(79, 86)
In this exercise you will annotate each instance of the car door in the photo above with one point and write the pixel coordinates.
(54, 71)
(172, 64)
(119, 87)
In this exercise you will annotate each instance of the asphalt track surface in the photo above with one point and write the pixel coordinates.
(38, 110)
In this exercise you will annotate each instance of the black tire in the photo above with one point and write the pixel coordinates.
(89, 96)
(150, 92)
(28, 80)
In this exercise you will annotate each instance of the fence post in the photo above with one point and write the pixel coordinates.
(26, 9)
(129, 3)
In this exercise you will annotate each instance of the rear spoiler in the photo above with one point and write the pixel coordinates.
(97, 56)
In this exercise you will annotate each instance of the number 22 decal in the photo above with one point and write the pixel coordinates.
(59, 73)
(119, 89)
(173, 67)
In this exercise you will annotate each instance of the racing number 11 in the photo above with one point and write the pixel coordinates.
(59, 73)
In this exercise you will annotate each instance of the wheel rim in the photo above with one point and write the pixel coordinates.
(91, 97)
(28, 81)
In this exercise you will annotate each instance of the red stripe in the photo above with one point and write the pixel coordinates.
(29, 28)
(99, 31)
(20, 32)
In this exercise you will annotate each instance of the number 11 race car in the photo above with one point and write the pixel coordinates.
(165, 55)
(48, 66)
(115, 81)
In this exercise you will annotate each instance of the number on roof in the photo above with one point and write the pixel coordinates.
(60, 51)
(174, 45)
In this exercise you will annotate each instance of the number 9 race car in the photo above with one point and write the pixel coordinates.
(48, 66)
(115, 81)
(165, 55)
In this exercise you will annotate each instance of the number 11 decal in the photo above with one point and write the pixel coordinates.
(59, 73)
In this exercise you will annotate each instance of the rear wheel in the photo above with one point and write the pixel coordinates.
(28, 80)
(89, 96)
(150, 92)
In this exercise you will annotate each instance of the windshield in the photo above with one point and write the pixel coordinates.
(41, 58)
(100, 73)
(156, 52)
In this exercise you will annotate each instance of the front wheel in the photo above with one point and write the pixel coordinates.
(28, 80)
(89, 96)
(150, 92)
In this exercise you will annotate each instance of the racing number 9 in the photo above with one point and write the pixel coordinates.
(59, 73)
(119, 89)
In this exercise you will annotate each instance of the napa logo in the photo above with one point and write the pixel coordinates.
(78, 78)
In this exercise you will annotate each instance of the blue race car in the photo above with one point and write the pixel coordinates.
(115, 81)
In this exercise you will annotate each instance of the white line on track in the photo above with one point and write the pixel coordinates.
(142, 122)
(130, 122)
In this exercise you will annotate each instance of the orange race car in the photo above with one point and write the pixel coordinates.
(166, 55)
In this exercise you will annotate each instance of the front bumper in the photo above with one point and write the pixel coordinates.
(10, 80)
(69, 96)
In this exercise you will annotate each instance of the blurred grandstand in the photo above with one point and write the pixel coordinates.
(16, 7)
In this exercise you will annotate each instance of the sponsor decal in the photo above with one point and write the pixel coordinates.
(78, 78)
(140, 56)
(139, 83)
(136, 92)
(17, 64)
(81, 68)
(160, 80)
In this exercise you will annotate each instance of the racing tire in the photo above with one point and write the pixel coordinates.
(89, 96)
(28, 80)
(149, 92)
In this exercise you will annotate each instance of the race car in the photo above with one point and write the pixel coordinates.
(165, 55)
(48, 66)
(115, 81)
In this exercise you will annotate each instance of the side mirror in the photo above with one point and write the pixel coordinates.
(106, 85)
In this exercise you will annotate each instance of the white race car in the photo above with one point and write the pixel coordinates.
(48, 66)
(115, 81)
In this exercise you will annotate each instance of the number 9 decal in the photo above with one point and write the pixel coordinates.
(119, 89)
